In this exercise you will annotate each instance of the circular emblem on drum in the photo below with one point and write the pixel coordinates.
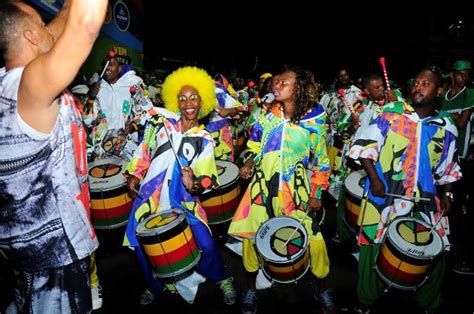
(282, 245)
(160, 221)
(106, 170)
(110, 203)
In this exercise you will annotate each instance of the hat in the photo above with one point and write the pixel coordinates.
(462, 65)
(80, 89)
(265, 75)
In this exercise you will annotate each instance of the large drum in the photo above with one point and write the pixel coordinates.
(354, 191)
(169, 244)
(221, 203)
(407, 252)
(283, 263)
(110, 204)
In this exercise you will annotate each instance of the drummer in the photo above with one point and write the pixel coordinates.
(406, 151)
(281, 142)
(373, 90)
(173, 165)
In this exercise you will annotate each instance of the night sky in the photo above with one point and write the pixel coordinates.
(354, 40)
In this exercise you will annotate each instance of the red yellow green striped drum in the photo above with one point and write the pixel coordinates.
(407, 252)
(169, 244)
(221, 203)
(354, 191)
(283, 263)
(110, 204)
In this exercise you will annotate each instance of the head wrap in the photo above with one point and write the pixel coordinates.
(194, 77)
(461, 65)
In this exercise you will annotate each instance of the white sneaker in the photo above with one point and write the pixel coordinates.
(96, 297)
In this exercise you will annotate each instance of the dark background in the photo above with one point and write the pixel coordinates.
(236, 38)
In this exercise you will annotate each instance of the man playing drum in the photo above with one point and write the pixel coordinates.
(407, 152)
(281, 141)
(173, 165)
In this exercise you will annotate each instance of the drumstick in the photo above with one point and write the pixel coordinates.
(172, 147)
(384, 69)
(110, 55)
(296, 228)
(409, 198)
(136, 191)
(341, 92)
(363, 216)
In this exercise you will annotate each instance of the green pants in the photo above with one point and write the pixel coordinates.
(370, 287)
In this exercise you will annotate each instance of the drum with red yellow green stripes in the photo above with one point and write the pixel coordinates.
(110, 204)
(282, 246)
(354, 191)
(408, 250)
(221, 203)
(169, 243)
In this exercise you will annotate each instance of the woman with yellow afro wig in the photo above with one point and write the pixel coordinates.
(194, 77)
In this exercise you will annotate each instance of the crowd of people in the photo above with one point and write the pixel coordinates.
(158, 150)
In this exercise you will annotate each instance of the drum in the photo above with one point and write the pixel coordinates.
(221, 203)
(110, 204)
(283, 263)
(407, 252)
(354, 191)
(169, 244)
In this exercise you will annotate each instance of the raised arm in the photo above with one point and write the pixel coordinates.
(56, 26)
(47, 75)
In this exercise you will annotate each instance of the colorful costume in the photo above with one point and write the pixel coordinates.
(114, 110)
(280, 185)
(162, 187)
(412, 157)
(220, 128)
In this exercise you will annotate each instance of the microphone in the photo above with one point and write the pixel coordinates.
(110, 55)
(268, 98)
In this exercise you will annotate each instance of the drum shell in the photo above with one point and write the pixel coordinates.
(403, 268)
(110, 203)
(284, 269)
(171, 249)
(221, 203)
(353, 200)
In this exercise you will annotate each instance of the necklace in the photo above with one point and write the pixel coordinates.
(446, 95)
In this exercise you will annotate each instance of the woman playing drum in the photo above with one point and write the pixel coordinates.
(282, 141)
(173, 164)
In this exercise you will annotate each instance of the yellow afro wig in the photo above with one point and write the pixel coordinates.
(194, 77)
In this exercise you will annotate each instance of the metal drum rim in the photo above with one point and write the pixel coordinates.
(144, 232)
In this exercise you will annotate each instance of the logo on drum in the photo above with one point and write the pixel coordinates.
(263, 232)
(416, 252)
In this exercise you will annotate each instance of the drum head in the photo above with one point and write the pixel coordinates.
(228, 173)
(413, 237)
(106, 174)
(274, 233)
(160, 222)
(354, 183)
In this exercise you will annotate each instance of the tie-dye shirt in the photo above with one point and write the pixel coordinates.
(412, 156)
